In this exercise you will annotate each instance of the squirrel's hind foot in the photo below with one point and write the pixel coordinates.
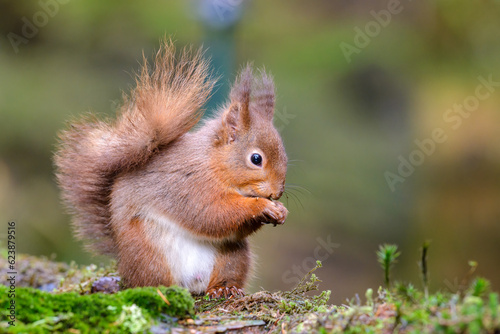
(224, 291)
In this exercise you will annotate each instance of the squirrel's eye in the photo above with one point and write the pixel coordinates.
(256, 159)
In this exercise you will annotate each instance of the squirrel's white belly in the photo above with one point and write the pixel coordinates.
(191, 259)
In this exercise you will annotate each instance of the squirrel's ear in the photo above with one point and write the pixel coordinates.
(264, 95)
(236, 117)
(229, 124)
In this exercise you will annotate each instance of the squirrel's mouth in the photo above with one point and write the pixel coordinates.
(252, 194)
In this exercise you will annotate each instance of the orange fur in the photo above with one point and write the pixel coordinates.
(139, 258)
(134, 184)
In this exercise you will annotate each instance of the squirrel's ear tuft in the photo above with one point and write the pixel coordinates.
(240, 94)
(264, 95)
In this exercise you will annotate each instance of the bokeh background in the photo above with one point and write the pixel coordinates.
(354, 93)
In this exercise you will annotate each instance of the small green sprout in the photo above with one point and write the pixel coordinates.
(479, 287)
(369, 297)
(423, 268)
(387, 255)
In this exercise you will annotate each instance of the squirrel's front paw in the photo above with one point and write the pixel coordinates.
(224, 291)
(275, 213)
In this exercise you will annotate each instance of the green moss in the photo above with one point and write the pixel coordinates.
(181, 302)
(128, 311)
(401, 307)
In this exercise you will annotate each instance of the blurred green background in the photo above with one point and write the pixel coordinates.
(346, 121)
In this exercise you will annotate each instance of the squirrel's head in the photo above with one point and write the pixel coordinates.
(249, 149)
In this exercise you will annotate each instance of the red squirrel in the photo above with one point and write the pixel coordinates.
(175, 204)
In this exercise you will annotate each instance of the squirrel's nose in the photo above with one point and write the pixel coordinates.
(277, 195)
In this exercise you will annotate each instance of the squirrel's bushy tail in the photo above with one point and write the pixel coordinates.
(165, 104)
